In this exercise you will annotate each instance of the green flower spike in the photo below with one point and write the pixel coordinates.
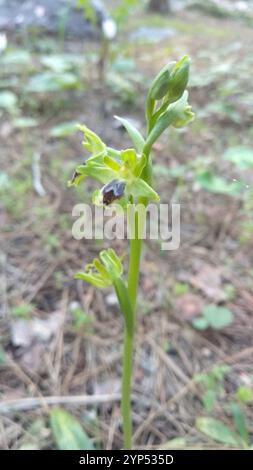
(126, 177)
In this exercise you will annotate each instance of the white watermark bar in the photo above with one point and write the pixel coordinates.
(155, 222)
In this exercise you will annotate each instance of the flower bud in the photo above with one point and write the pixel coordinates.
(160, 85)
(178, 79)
(178, 114)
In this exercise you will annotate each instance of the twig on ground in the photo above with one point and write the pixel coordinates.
(23, 404)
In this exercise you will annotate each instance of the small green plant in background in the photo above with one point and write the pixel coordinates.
(213, 316)
(237, 435)
(22, 311)
(68, 432)
(213, 394)
(126, 176)
(211, 384)
(81, 319)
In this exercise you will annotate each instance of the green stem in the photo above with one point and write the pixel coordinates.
(133, 280)
(126, 388)
(134, 265)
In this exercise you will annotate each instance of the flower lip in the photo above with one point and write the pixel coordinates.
(112, 191)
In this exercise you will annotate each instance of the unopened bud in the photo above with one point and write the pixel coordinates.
(160, 85)
(178, 79)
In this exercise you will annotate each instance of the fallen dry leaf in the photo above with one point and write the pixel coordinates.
(189, 306)
(209, 281)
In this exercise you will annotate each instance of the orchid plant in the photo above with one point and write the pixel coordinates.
(126, 178)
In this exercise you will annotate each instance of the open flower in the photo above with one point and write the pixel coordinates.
(102, 272)
(120, 172)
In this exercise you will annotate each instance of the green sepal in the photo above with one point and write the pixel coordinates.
(102, 273)
(139, 188)
(93, 143)
(97, 171)
(95, 279)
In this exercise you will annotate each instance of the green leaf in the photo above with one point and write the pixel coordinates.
(68, 432)
(241, 156)
(219, 372)
(64, 129)
(8, 100)
(58, 63)
(4, 181)
(240, 421)
(216, 430)
(133, 133)
(176, 443)
(200, 323)
(50, 81)
(16, 57)
(244, 394)
(217, 317)
(25, 122)
(219, 185)
(209, 398)
(22, 311)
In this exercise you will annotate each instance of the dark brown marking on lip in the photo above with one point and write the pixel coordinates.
(112, 191)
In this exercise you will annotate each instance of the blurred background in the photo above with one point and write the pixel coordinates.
(68, 62)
